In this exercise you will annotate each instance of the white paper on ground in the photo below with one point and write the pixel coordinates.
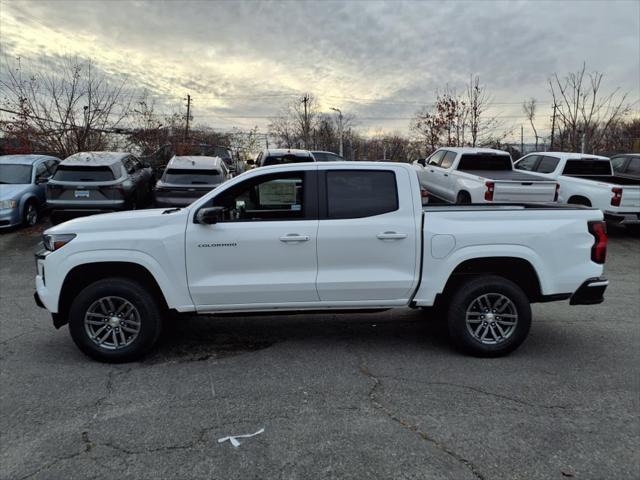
(233, 439)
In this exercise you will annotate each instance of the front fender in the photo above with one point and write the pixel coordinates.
(172, 284)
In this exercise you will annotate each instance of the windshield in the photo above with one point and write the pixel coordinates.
(288, 158)
(68, 173)
(15, 174)
(192, 176)
(483, 161)
(634, 166)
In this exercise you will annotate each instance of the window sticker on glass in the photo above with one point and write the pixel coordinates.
(278, 192)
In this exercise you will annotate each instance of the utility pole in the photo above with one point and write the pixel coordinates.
(553, 125)
(186, 130)
(305, 122)
(521, 140)
(340, 128)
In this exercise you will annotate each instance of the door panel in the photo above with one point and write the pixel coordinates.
(368, 257)
(264, 251)
(248, 263)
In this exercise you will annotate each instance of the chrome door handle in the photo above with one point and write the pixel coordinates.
(294, 237)
(391, 236)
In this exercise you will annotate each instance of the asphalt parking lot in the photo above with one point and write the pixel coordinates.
(353, 396)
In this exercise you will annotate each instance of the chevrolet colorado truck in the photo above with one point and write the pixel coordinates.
(321, 236)
(480, 175)
(591, 181)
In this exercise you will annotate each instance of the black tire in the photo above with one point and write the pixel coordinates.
(147, 310)
(30, 213)
(463, 198)
(463, 300)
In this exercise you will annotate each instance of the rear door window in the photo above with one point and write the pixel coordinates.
(547, 165)
(357, 194)
(73, 173)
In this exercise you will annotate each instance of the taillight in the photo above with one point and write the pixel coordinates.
(113, 191)
(488, 194)
(617, 196)
(555, 197)
(599, 249)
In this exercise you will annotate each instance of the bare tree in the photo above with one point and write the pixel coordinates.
(71, 109)
(481, 127)
(529, 108)
(585, 114)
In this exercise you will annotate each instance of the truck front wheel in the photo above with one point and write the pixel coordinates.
(489, 316)
(115, 320)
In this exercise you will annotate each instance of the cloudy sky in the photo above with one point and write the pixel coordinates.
(379, 60)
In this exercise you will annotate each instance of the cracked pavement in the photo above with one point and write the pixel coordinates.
(340, 396)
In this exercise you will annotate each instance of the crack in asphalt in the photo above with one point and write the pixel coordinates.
(410, 427)
(51, 464)
(484, 392)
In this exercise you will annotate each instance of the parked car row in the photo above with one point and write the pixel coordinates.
(95, 182)
(477, 175)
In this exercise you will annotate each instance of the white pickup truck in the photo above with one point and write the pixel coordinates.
(588, 180)
(479, 175)
(337, 236)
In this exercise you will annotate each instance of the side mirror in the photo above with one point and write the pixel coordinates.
(209, 215)
(423, 162)
(251, 162)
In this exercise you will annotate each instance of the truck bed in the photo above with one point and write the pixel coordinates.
(613, 179)
(506, 175)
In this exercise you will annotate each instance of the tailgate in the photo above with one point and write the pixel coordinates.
(516, 192)
(80, 192)
(630, 198)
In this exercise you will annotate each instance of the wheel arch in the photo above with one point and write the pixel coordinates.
(82, 275)
(580, 200)
(518, 270)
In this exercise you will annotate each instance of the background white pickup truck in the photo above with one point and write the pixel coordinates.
(318, 236)
(588, 180)
(479, 175)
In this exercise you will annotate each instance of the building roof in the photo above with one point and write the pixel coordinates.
(194, 162)
(96, 158)
(24, 159)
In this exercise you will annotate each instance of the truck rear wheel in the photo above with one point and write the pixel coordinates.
(489, 316)
(463, 198)
(115, 320)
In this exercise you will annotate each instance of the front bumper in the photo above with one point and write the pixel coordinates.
(591, 292)
(9, 217)
(622, 218)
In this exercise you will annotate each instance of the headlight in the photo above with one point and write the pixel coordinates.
(55, 241)
(8, 204)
